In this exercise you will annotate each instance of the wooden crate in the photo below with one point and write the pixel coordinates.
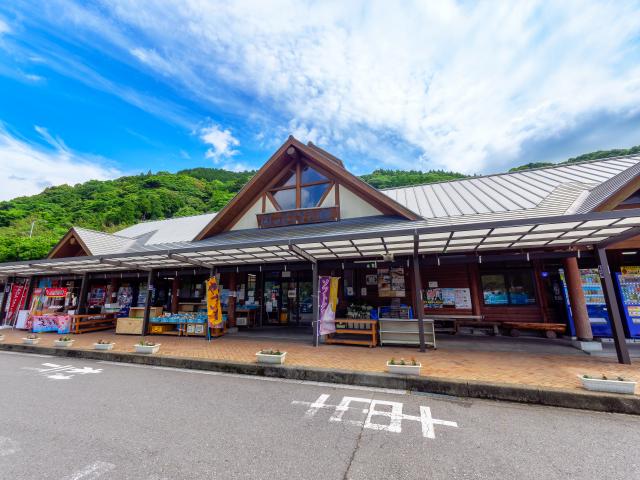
(138, 312)
(130, 326)
(162, 328)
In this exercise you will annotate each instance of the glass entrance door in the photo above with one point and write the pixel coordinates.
(287, 300)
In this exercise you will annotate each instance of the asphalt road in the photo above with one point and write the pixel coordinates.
(64, 418)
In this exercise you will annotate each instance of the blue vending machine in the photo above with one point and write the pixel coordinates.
(628, 280)
(596, 304)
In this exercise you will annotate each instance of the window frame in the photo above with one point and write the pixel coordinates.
(298, 186)
(507, 274)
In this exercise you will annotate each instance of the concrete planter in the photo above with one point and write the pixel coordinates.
(30, 341)
(404, 369)
(273, 359)
(103, 346)
(609, 386)
(148, 349)
(62, 343)
(1, 338)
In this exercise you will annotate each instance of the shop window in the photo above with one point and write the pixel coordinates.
(303, 187)
(508, 288)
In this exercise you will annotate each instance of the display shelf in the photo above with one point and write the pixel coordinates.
(354, 335)
(401, 331)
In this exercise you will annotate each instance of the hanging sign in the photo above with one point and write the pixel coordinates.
(214, 309)
(55, 292)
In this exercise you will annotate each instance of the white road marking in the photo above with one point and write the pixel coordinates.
(62, 372)
(264, 379)
(8, 447)
(394, 414)
(92, 471)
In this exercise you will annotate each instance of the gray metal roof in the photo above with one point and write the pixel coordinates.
(530, 193)
(100, 243)
(180, 229)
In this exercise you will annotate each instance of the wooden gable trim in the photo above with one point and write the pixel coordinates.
(265, 179)
(71, 234)
(619, 196)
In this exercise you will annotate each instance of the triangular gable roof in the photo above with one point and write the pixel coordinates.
(288, 153)
(83, 242)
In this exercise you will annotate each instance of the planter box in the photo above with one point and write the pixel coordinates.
(147, 348)
(30, 341)
(609, 386)
(273, 359)
(103, 346)
(62, 343)
(404, 369)
(1, 338)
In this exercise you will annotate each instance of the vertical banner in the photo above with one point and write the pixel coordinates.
(16, 300)
(214, 308)
(327, 302)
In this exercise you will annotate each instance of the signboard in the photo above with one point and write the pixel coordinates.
(52, 292)
(327, 302)
(298, 217)
(391, 282)
(459, 298)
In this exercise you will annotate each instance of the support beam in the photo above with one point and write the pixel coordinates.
(189, 260)
(147, 303)
(175, 294)
(301, 253)
(417, 285)
(82, 296)
(612, 305)
(118, 263)
(314, 301)
(231, 306)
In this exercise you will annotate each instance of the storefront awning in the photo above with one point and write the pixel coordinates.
(550, 233)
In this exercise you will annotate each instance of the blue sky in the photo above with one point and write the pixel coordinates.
(102, 89)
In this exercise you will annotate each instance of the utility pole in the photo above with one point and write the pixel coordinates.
(31, 231)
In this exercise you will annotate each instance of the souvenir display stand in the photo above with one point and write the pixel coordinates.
(354, 332)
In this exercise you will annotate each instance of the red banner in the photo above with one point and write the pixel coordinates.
(55, 292)
(16, 300)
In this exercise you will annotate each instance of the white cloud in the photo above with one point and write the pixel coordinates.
(457, 85)
(4, 26)
(26, 168)
(221, 142)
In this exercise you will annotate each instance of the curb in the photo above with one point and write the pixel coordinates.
(554, 397)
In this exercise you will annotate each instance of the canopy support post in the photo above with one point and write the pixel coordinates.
(612, 305)
(314, 299)
(417, 285)
(82, 296)
(147, 303)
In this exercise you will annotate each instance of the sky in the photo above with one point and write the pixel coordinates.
(96, 90)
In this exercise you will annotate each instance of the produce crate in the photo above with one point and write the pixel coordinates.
(162, 328)
(130, 326)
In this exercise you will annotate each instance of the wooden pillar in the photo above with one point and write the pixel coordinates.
(541, 296)
(231, 311)
(82, 296)
(111, 289)
(417, 286)
(147, 303)
(614, 310)
(577, 300)
(474, 288)
(175, 294)
(5, 298)
(314, 301)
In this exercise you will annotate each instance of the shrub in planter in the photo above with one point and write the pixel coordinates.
(103, 345)
(63, 342)
(1, 338)
(610, 385)
(147, 347)
(271, 356)
(403, 367)
(31, 340)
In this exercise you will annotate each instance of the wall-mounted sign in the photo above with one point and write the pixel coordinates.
(55, 292)
(298, 217)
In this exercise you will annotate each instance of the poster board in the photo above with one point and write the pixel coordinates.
(391, 282)
(458, 298)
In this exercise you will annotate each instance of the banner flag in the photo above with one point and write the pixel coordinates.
(327, 303)
(214, 308)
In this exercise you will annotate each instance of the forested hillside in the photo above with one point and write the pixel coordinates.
(114, 204)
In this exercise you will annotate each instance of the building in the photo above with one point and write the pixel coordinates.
(514, 247)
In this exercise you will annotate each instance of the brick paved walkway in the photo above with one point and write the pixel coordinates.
(515, 367)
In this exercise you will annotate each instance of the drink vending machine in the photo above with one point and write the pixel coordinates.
(596, 304)
(628, 280)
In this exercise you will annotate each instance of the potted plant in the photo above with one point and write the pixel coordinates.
(404, 367)
(611, 385)
(63, 342)
(103, 345)
(147, 347)
(31, 339)
(1, 337)
(271, 356)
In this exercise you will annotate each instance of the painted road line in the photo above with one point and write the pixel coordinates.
(92, 471)
(369, 408)
(55, 371)
(8, 447)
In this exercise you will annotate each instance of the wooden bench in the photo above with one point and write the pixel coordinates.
(370, 332)
(454, 321)
(551, 330)
(92, 322)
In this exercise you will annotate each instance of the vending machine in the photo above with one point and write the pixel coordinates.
(596, 304)
(628, 280)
